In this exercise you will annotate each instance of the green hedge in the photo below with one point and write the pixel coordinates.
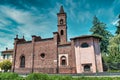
(9, 76)
(38, 76)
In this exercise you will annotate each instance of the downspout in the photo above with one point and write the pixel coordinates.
(57, 60)
(56, 40)
(33, 59)
(33, 44)
(15, 49)
(14, 58)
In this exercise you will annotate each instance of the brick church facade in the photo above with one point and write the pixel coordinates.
(57, 55)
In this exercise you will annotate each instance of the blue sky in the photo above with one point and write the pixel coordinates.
(38, 17)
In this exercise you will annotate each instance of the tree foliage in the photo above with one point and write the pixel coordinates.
(114, 46)
(99, 29)
(114, 50)
(5, 65)
(118, 26)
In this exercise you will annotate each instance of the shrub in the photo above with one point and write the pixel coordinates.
(55, 77)
(37, 76)
(66, 78)
(9, 76)
(6, 65)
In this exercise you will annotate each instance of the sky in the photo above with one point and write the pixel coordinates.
(39, 17)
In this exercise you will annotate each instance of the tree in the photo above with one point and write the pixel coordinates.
(99, 29)
(5, 65)
(114, 48)
(118, 26)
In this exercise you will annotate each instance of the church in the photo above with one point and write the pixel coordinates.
(57, 55)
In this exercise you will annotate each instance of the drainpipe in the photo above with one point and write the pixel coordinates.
(33, 44)
(57, 54)
(14, 53)
(57, 60)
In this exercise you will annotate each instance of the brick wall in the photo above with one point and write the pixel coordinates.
(66, 50)
(49, 48)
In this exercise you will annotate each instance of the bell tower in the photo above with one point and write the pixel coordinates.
(62, 26)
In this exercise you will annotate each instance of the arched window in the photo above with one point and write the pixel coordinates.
(63, 60)
(86, 67)
(22, 61)
(61, 21)
(62, 32)
(84, 45)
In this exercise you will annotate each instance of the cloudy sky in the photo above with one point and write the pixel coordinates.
(38, 17)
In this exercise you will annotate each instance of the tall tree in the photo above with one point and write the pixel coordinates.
(114, 49)
(99, 29)
(118, 26)
(114, 46)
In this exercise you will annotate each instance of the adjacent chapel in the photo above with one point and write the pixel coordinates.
(57, 55)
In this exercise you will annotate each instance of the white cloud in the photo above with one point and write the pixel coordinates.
(28, 24)
(6, 42)
(115, 22)
(84, 16)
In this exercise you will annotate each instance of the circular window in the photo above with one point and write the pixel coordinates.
(42, 55)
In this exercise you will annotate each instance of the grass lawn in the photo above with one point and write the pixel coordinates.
(38, 76)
